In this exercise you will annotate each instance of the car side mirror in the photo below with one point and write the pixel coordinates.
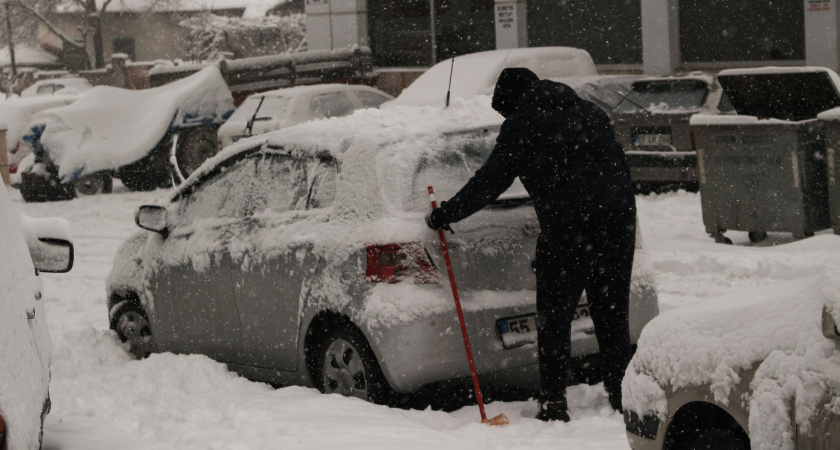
(829, 326)
(152, 218)
(51, 255)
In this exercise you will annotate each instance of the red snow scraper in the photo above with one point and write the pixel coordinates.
(501, 419)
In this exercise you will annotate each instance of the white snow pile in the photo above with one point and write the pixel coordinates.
(775, 329)
(25, 349)
(17, 113)
(109, 127)
(476, 73)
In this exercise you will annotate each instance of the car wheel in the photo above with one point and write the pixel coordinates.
(97, 183)
(757, 236)
(197, 145)
(719, 439)
(132, 326)
(348, 367)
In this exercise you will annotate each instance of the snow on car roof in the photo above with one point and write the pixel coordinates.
(110, 127)
(476, 73)
(78, 83)
(371, 145)
(775, 329)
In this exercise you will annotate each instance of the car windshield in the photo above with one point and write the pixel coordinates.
(448, 170)
(271, 108)
(664, 96)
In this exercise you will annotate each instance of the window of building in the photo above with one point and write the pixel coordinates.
(125, 45)
(611, 31)
(741, 30)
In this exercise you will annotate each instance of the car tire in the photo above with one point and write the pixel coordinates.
(757, 236)
(196, 146)
(97, 183)
(132, 326)
(719, 439)
(347, 366)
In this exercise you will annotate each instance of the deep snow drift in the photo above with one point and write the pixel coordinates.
(102, 399)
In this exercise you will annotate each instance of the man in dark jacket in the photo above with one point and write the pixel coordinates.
(564, 151)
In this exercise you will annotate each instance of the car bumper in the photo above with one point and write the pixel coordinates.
(672, 167)
(431, 349)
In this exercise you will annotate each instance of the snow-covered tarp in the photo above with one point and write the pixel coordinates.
(16, 113)
(775, 329)
(109, 127)
(476, 73)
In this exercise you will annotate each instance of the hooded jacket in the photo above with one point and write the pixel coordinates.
(563, 150)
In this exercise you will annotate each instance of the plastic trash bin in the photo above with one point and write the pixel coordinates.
(764, 169)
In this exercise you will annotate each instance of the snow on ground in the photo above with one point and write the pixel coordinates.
(102, 399)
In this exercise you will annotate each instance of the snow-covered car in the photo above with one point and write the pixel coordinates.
(16, 113)
(476, 73)
(757, 368)
(301, 257)
(51, 86)
(145, 138)
(652, 124)
(272, 110)
(28, 246)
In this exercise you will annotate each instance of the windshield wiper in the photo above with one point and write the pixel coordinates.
(250, 126)
(631, 101)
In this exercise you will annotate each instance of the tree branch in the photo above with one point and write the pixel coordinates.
(48, 24)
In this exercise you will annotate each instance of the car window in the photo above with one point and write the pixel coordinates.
(282, 184)
(322, 176)
(48, 89)
(331, 105)
(371, 99)
(664, 96)
(725, 106)
(271, 108)
(226, 194)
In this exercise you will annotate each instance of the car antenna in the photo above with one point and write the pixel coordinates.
(631, 101)
(449, 89)
(250, 125)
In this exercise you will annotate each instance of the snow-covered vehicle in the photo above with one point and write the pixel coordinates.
(757, 368)
(272, 110)
(652, 124)
(52, 86)
(28, 246)
(132, 135)
(16, 113)
(301, 257)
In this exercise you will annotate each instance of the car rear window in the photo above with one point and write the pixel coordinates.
(663, 96)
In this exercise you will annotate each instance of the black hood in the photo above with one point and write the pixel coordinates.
(547, 95)
(509, 88)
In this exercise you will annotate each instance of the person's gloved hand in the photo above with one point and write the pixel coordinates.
(436, 220)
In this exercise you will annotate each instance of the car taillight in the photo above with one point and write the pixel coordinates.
(15, 150)
(693, 141)
(393, 263)
(13, 168)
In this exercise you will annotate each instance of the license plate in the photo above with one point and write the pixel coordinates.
(521, 330)
(643, 140)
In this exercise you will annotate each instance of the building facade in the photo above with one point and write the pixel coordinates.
(650, 36)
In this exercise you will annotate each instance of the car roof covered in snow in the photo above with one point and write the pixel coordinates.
(110, 127)
(476, 73)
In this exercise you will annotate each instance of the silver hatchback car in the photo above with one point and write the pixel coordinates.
(301, 257)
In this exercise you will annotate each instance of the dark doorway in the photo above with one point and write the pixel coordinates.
(125, 45)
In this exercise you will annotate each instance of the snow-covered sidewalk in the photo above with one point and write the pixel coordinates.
(103, 399)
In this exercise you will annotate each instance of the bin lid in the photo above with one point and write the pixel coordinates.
(786, 93)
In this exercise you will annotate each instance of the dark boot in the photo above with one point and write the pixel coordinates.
(551, 411)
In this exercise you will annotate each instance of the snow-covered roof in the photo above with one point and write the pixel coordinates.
(253, 8)
(476, 73)
(27, 55)
(110, 127)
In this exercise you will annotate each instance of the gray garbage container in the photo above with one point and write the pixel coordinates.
(764, 169)
(831, 128)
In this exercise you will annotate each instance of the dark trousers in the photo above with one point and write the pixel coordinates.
(594, 254)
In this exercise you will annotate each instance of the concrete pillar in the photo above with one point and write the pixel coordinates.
(660, 36)
(511, 24)
(334, 24)
(822, 42)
